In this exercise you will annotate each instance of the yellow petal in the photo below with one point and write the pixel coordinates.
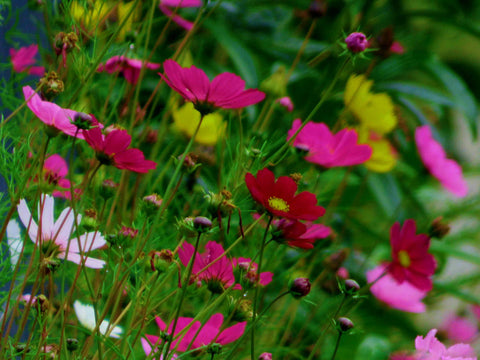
(384, 156)
(186, 120)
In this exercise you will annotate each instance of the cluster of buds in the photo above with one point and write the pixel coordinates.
(51, 85)
(64, 43)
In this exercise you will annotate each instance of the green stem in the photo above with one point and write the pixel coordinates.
(255, 300)
(337, 345)
(185, 282)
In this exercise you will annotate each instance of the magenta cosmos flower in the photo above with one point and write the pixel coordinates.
(430, 348)
(169, 7)
(297, 234)
(328, 149)
(52, 115)
(226, 91)
(24, 58)
(53, 237)
(55, 170)
(447, 171)
(279, 199)
(112, 149)
(459, 329)
(196, 336)
(404, 296)
(411, 261)
(130, 68)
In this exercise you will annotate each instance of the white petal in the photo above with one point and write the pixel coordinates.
(46, 216)
(89, 241)
(86, 317)
(14, 241)
(27, 220)
(77, 259)
(62, 230)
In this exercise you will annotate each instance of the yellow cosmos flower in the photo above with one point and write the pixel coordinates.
(384, 155)
(96, 12)
(186, 118)
(375, 111)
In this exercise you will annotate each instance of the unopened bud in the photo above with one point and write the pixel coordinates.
(151, 204)
(438, 228)
(107, 189)
(265, 356)
(299, 287)
(214, 348)
(72, 344)
(51, 85)
(351, 286)
(160, 260)
(202, 224)
(356, 42)
(297, 177)
(344, 324)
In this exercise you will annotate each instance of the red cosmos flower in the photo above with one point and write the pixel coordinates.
(297, 234)
(130, 68)
(411, 260)
(112, 149)
(226, 91)
(279, 199)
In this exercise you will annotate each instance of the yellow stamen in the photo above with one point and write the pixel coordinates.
(404, 258)
(278, 204)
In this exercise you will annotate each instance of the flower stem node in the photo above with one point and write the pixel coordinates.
(344, 324)
(202, 224)
(299, 287)
(214, 348)
(265, 356)
(72, 344)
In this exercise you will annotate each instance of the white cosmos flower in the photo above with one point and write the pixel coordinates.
(53, 237)
(14, 241)
(86, 317)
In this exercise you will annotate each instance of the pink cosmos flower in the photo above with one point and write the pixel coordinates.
(286, 102)
(459, 329)
(53, 237)
(208, 333)
(411, 261)
(51, 114)
(218, 276)
(297, 234)
(24, 58)
(404, 296)
(130, 68)
(251, 271)
(226, 91)
(447, 171)
(430, 348)
(167, 5)
(328, 149)
(112, 149)
(55, 169)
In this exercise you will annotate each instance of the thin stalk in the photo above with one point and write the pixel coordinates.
(255, 299)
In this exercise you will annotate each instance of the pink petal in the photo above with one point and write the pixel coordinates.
(232, 333)
(88, 241)
(116, 141)
(133, 160)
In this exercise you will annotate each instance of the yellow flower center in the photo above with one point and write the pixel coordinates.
(278, 204)
(404, 258)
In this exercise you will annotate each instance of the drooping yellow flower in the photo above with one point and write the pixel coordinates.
(186, 118)
(375, 111)
(96, 12)
(384, 155)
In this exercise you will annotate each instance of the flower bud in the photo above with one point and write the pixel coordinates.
(242, 311)
(318, 8)
(438, 228)
(351, 286)
(160, 260)
(344, 324)
(265, 356)
(107, 189)
(202, 224)
(151, 204)
(286, 102)
(356, 42)
(299, 287)
(186, 228)
(72, 344)
(297, 177)
(50, 85)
